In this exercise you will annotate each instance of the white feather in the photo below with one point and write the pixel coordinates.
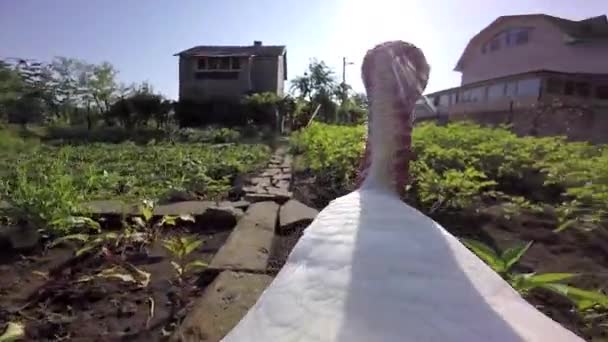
(371, 268)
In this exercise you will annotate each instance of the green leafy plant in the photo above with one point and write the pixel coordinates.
(14, 331)
(524, 283)
(42, 195)
(180, 248)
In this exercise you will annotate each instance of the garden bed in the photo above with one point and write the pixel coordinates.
(130, 284)
(58, 296)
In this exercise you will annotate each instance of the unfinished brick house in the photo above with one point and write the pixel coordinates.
(208, 73)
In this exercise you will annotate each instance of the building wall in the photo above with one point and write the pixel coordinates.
(521, 91)
(191, 88)
(281, 75)
(264, 74)
(545, 50)
(588, 125)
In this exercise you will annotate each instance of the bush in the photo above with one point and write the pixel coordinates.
(461, 164)
(224, 113)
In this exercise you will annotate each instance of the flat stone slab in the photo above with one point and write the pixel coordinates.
(207, 213)
(282, 176)
(275, 196)
(260, 181)
(235, 204)
(248, 246)
(184, 208)
(294, 213)
(271, 172)
(110, 207)
(223, 304)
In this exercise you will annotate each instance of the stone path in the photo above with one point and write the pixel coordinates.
(261, 240)
(273, 183)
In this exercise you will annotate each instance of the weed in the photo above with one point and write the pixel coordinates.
(180, 248)
(524, 283)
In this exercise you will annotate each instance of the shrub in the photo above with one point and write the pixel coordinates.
(460, 164)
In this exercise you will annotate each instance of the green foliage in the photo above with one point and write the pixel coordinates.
(128, 171)
(332, 151)
(45, 187)
(42, 193)
(502, 263)
(461, 165)
(180, 248)
(15, 331)
(524, 283)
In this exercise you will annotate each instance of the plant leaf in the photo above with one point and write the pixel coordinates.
(485, 253)
(512, 255)
(583, 299)
(116, 272)
(73, 237)
(190, 243)
(139, 222)
(195, 264)
(85, 249)
(14, 331)
(147, 210)
(187, 217)
(168, 221)
(546, 278)
(565, 225)
(177, 268)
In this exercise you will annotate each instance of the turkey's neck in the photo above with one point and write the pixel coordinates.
(389, 143)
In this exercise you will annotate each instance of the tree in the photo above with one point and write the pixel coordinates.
(11, 88)
(139, 106)
(103, 85)
(319, 87)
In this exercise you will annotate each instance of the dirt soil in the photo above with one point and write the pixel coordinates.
(571, 251)
(47, 291)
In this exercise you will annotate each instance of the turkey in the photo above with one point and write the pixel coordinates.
(371, 268)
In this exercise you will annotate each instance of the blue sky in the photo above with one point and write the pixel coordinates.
(140, 36)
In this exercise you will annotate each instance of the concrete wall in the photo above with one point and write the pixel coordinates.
(265, 74)
(281, 75)
(580, 125)
(545, 50)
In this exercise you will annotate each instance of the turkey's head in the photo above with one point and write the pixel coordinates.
(394, 74)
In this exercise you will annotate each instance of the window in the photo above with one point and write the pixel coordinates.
(511, 89)
(529, 87)
(465, 96)
(583, 89)
(601, 92)
(478, 94)
(555, 86)
(436, 100)
(202, 63)
(219, 63)
(521, 36)
(496, 91)
(214, 63)
(236, 63)
(225, 63)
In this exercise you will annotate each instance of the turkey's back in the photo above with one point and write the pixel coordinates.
(371, 268)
